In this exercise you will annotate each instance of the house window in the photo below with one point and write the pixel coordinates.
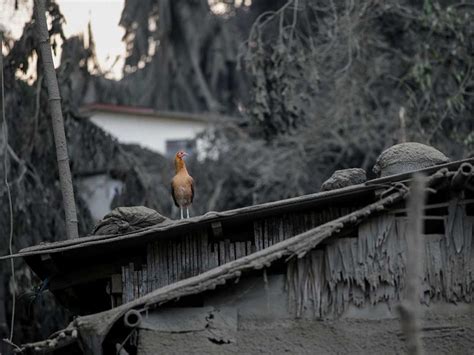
(175, 145)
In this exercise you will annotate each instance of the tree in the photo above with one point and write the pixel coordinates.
(58, 122)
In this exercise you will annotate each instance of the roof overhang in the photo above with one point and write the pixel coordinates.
(91, 109)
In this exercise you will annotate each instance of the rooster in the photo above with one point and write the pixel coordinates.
(182, 188)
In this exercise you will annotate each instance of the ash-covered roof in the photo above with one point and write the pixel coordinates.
(239, 215)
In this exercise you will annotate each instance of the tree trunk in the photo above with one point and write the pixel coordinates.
(58, 123)
(3, 141)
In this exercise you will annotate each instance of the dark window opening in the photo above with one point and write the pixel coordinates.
(440, 211)
(434, 226)
(470, 209)
(469, 192)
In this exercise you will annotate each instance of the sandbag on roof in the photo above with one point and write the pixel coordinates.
(128, 219)
(343, 178)
(406, 157)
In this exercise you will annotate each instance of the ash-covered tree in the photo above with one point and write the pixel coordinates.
(328, 82)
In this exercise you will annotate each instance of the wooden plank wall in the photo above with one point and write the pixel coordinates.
(370, 269)
(177, 259)
(272, 230)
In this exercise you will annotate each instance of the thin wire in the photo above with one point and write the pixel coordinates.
(5, 171)
(123, 343)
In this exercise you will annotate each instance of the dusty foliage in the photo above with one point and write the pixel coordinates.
(329, 80)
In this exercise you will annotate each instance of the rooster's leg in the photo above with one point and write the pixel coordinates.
(187, 212)
(181, 209)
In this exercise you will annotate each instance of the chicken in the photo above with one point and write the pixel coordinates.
(182, 188)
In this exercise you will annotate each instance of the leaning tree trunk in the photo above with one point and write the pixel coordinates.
(58, 123)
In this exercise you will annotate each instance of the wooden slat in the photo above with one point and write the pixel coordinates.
(204, 252)
(267, 234)
(149, 266)
(164, 264)
(257, 232)
(170, 263)
(153, 277)
(275, 228)
(271, 231)
(195, 255)
(264, 241)
(250, 248)
(216, 255)
(175, 262)
(273, 237)
(131, 281)
(210, 253)
(171, 272)
(227, 250)
(221, 252)
(192, 256)
(187, 256)
(281, 232)
(161, 270)
(140, 282)
(197, 243)
(179, 261)
(243, 248)
(166, 252)
(232, 251)
(157, 269)
(145, 289)
(238, 250)
(124, 285)
(135, 284)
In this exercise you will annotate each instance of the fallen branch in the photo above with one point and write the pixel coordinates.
(57, 340)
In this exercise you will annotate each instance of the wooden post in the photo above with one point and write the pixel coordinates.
(409, 310)
(57, 120)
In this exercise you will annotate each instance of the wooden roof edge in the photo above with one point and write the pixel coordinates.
(205, 117)
(208, 217)
(214, 216)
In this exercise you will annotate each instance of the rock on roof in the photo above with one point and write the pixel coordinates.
(344, 178)
(405, 157)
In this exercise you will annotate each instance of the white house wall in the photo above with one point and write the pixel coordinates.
(98, 192)
(148, 132)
